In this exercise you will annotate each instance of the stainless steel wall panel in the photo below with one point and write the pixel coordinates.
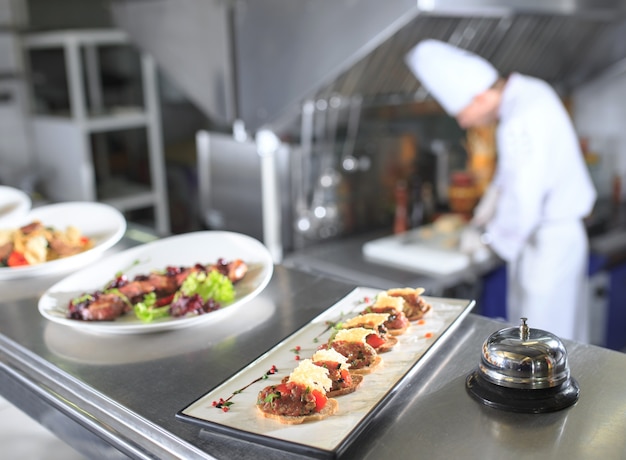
(191, 42)
(288, 50)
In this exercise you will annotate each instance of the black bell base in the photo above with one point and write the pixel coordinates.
(523, 401)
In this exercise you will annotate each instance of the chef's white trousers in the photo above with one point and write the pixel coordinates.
(548, 282)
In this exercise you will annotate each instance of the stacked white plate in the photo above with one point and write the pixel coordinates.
(13, 204)
(100, 222)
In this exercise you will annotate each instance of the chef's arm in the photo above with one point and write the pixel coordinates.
(486, 208)
(521, 177)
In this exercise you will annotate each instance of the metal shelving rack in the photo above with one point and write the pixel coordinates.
(62, 143)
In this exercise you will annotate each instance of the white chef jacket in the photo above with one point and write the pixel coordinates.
(545, 191)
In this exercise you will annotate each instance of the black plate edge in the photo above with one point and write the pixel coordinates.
(268, 441)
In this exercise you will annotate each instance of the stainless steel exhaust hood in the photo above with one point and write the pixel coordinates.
(600, 8)
(258, 60)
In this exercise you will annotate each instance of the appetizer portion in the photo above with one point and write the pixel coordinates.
(351, 343)
(415, 307)
(34, 244)
(396, 323)
(343, 382)
(339, 366)
(302, 398)
(173, 292)
(378, 338)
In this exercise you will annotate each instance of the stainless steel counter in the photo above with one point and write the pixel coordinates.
(116, 396)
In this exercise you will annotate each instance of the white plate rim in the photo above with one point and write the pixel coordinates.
(24, 204)
(63, 265)
(48, 303)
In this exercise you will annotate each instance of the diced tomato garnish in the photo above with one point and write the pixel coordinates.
(346, 376)
(164, 301)
(374, 340)
(320, 400)
(282, 388)
(84, 240)
(16, 259)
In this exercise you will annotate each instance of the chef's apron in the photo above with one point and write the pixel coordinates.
(548, 277)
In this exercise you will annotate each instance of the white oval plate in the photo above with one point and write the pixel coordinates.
(100, 222)
(108, 349)
(13, 204)
(181, 250)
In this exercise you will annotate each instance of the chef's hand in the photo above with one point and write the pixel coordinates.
(471, 242)
(486, 207)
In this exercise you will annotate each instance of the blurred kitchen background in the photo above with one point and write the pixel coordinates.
(298, 123)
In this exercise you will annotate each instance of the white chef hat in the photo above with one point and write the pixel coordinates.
(452, 75)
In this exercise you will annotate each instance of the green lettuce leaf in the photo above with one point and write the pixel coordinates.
(146, 310)
(213, 285)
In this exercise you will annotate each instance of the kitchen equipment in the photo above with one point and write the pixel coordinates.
(442, 151)
(481, 151)
(303, 222)
(325, 217)
(523, 370)
(462, 193)
(431, 249)
(230, 185)
(349, 162)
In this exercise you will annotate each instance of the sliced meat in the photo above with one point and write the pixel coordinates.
(104, 307)
(30, 228)
(5, 250)
(163, 284)
(137, 289)
(234, 270)
(64, 249)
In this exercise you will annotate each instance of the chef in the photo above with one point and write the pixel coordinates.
(532, 213)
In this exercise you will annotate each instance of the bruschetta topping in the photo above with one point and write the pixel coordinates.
(291, 400)
(368, 321)
(311, 376)
(414, 306)
(378, 337)
(385, 300)
(338, 372)
(355, 334)
(397, 322)
(330, 355)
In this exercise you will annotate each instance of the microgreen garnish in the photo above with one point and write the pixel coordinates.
(329, 325)
(271, 397)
